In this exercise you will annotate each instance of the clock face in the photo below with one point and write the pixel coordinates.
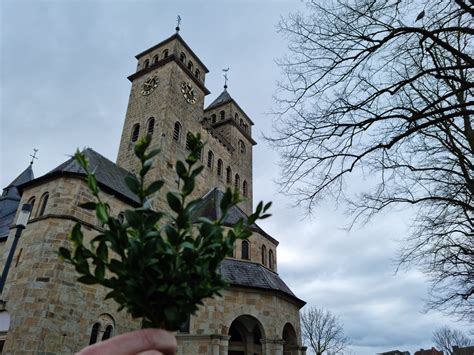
(149, 85)
(188, 92)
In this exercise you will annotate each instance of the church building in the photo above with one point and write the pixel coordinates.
(44, 310)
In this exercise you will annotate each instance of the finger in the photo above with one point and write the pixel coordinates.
(135, 342)
(150, 352)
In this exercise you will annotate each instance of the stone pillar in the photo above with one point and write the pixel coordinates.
(224, 344)
(215, 345)
(272, 346)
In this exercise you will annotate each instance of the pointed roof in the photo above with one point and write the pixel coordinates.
(209, 207)
(25, 176)
(109, 175)
(10, 200)
(223, 99)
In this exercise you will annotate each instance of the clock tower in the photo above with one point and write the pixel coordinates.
(167, 97)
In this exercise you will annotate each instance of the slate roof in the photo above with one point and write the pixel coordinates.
(10, 200)
(247, 274)
(209, 207)
(110, 176)
(222, 99)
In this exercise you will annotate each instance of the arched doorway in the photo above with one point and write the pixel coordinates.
(290, 346)
(245, 335)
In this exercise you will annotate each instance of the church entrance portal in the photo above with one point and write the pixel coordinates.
(245, 335)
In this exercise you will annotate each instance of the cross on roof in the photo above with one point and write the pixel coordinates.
(225, 77)
(33, 156)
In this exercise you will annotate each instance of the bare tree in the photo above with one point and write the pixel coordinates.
(323, 331)
(383, 89)
(446, 338)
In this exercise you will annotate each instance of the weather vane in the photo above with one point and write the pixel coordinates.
(33, 156)
(225, 77)
(178, 19)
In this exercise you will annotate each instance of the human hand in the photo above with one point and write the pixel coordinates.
(143, 342)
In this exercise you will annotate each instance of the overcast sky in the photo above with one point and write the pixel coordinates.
(63, 85)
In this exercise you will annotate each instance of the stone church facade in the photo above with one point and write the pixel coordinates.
(44, 310)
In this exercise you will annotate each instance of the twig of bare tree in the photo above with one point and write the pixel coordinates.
(446, 338)
(369, 89)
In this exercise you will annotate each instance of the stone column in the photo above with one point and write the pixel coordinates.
(215, 344)
(224, 344)
(272, 346)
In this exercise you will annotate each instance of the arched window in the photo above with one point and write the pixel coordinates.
(147, 63)
(197, 74)
(219, 167)
(237, 182)
(108, 332)
(228, 178)
(188, 140)
(177, 131)
(213, 118)
(94, 333)
(245, 250)
(43, 203)
(155, 59)
(121, 217)
(150, 126)
(264, 255)
(222, 113)
(165, 53)
(241, 122)
(271, 262)
(242, 147)
(245, 189)
(210, 159)
(182, 57)
(31, 202)
(135, 132)
(190, 65)
(236, 116)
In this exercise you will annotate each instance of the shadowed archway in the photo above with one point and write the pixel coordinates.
(290, 347)
(245, 335)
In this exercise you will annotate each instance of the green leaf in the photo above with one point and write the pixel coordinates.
(92, 183)
(174, 201)
(102, 251)
(76, 234)
(87, 279)
(132, 183)
(154, 187)
(88, 205)
(133, 218)
(64, 253)
(181, 169)
(101, 213)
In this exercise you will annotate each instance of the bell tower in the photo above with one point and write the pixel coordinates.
(167, 94)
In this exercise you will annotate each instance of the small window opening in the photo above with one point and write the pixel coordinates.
(150, 126)
(155, 59)
(165, 53)
(245, 189)
(190, 65)
(147, 63)
(222, 113)
(264, 255)
(182, 57)
(197, 74)
(108, 332)
(213, 118)
(237, 182)
(245, 250)
(229, 175)
(94, 333)
(31, 202)
(43, 203)
(210, 159)
(188, 141)
(271, 262)
(135, 132)
(177, 132)
(219, 167)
